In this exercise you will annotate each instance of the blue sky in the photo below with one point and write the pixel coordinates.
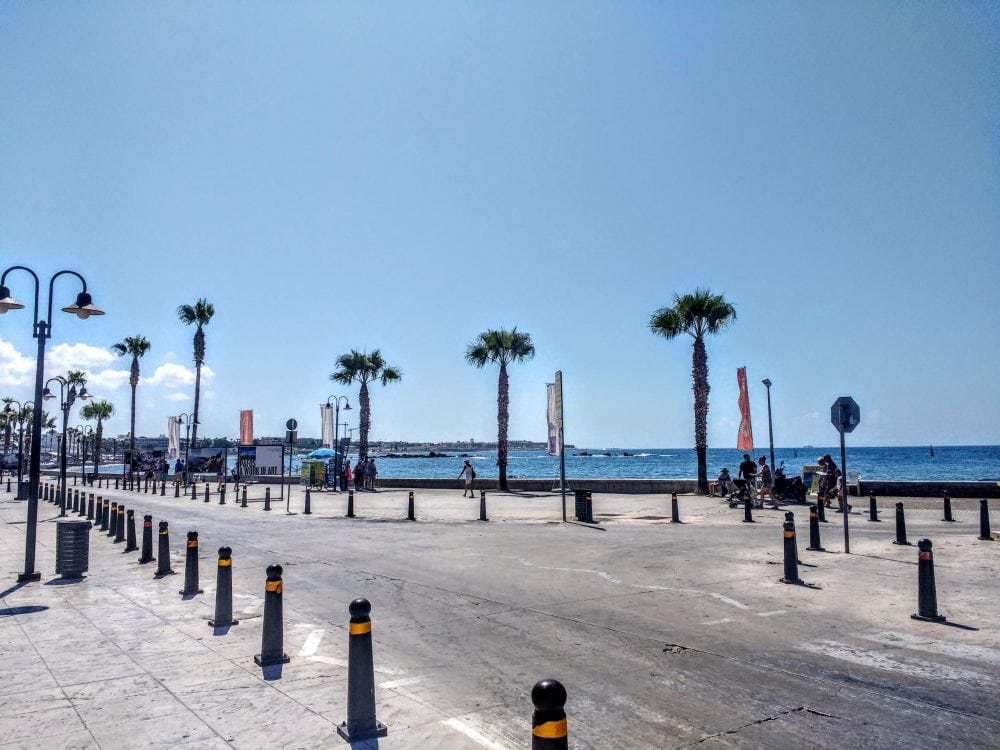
(403, 176)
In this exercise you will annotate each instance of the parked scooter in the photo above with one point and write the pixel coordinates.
(790, 490)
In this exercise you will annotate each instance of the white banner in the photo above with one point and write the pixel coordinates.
(327, 432)
(173, 438)
(555, 415)
(259, 461)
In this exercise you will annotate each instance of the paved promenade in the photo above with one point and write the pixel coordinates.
(664, 635)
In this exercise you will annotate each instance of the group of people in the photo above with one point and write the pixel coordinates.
(831, 482)
(364, 475)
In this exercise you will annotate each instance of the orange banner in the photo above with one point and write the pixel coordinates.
(744, 439)
(246, 427)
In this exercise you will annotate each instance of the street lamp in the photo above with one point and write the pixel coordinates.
(41, 330)
(770, 432)
(67, 395)
(337, 458)
(85, 431)
(20, 414)
(185, 419)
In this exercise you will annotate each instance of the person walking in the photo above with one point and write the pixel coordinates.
(359, 474)
(371, 473)
(467, 473)
(766, 483)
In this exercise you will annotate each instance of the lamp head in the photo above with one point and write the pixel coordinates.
(347, 405)
(766, 382)
(47, 394)
(7, 302)
(83, 395)
(7, 409)
(84, 307)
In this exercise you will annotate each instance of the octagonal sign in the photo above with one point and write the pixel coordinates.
(845, 413)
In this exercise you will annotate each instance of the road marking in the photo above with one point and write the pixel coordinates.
(311, 646)
(727, 600)
(400, 683)
(718, 622)
(475, 735)
(883, 660)
(919, 643)
(771, 613)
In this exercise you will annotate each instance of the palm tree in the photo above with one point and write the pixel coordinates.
(7, 421)
(501, 347)
(696, 314)
(364, 368)
(136, 347)
(199, 314)
(101, 410)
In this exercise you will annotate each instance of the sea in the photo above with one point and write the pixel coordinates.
(919, 463)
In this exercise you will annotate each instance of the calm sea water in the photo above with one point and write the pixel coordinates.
(950, 462)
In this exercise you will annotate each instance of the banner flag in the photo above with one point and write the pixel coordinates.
(246, 426)
(744, 439)
(554, 415)
(326, 411)
(173, 438)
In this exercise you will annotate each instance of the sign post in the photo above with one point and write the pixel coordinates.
(845, 414)
(290, 436)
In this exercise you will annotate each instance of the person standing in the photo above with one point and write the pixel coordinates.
(359, 475)
(766, 483)
(467, 473)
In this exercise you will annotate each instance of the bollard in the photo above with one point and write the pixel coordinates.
(113, 519)
(90, 508)
(208, 491)
(947, 510)
(482, 506)
(350, 503)
(224, 591)
(984, 521)
(120, 524)
(74, 505)
(74, 480)
(821, 509)
(222, 495)
(191, 566)
(748, 510)
(130, 545)
(271, 649)
(99, 513)
(116, 483)
(147, 540)
(8, 483)
(409, 509)
(548, 721)
(926, 591)
(814, 543)
(163, 488)
(177, 489)
(243, 504)
(361, 723)
(900, 526)
(146, 485)
(308, 508)
(873, 509)
(82, 512)
(791, 554)
(267, 498)
(163, 566)
(675, 516)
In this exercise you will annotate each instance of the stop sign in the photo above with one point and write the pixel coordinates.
(845, 414)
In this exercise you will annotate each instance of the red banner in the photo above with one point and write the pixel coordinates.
(744, 439)
(246, 426)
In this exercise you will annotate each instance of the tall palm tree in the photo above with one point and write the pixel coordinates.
(501, 347)
(198, 314)
(100, 410)
(696, 314)
(364, 368)
(136, 347)
(7, 421)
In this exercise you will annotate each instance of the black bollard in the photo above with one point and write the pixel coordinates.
(90, 508)
(130, 545)
(984, 521)
(791, 554)
(163, 566)
(675, 516)
(900, 526)
(821, 508)
(208, 491)
(267, 498)
(75, 503)
(147, 540)
(222, 495)
(120, 525)
(243, 503)
(308, 508)
(361, 723)
(116, 483)
(113, 519)
(191, 566)
(482, 506)
(873, 509)
(99, 513)
(548, 721)
(409, 509)
(177, 489)
(814, 543)
(350, 503)
(163, 488)
(926, 591)
(8, 483)
(224, 591)
(82, 512)
(271, 648)
(947, 510)
(747, 510)
(146, 485)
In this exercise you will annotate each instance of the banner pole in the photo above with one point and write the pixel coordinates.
(562, 447)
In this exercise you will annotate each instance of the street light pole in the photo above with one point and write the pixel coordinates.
(185, 419)
(67, 395)
(338, 460)
(41, 330)
(770, 432)
(20, 435)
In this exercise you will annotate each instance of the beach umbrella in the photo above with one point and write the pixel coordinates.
(323, 453)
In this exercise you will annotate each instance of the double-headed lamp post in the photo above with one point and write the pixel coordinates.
(770, 432)
(84, 431)
(41, 330)
(20, 413)
(338, 460)
(67, 395)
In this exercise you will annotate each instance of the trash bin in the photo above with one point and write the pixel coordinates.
(22, 491)
(72, 548)
(584, 506)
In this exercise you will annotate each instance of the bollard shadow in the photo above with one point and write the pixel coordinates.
(585, 525)
(189, 597)
(26, 610)
(271, 672)
(958, 625)
(65, 581)
(12, 589)
(370, 744)
(801, 584)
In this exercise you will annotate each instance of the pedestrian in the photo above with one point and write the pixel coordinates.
(348, 474)
(468, 473)
(766, 483)
(359, 474)
(828, 479)
(371, 473)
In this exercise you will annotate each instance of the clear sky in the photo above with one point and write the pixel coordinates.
(405, 175)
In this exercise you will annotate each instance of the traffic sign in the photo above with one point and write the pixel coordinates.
(845, 414)
(291, 424)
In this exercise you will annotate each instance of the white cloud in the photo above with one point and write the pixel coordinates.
(173, 375)
(179, 397)
(106, 380)
(64, 357)
(15, 368)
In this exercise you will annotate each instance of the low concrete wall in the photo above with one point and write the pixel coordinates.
(893, 488)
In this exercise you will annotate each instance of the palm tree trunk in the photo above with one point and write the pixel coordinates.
(197, 398)
(699, 376)
(364, 422)
(98, 439)
(503, 419)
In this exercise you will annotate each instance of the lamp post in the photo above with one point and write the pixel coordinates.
(67, 395)
(185, 419)
(85, 431)
(20, 413)
(41, 330)
(770, 432)
(337, 458)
